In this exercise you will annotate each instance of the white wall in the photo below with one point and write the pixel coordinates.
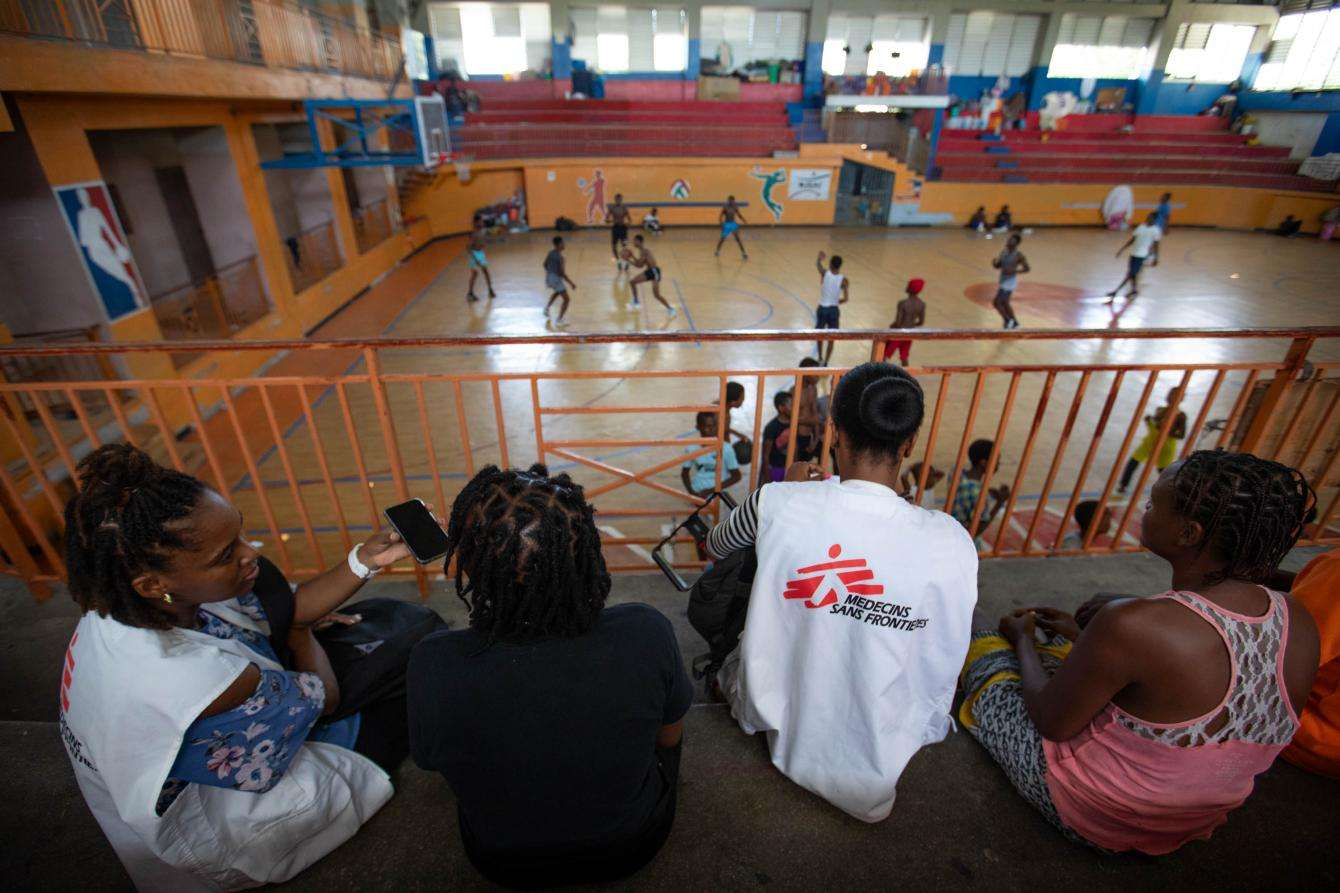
(127, 159)
(43, 286)
(300, 198)
(1297, 130)
(217, 191)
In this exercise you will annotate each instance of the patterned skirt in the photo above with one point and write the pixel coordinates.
(993, 711)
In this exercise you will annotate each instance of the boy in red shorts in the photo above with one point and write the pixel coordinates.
(911, 315)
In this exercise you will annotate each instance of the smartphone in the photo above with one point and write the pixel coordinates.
(419, 529)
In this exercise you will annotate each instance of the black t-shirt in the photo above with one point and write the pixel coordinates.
(550, 745)
(772, 431)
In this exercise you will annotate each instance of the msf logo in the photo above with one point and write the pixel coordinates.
(819, 584)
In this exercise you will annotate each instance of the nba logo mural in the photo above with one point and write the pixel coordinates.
(821, 583)
(679, 189)
(102, 244)
(594, 189)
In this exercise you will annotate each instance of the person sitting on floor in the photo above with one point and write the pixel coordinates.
(1316, 747)
(775, 435)
(1289, 227)
(700, 473)
(1084, 514)
(1143, 723)
(652, 222)
(977, 222)
(860, 609)
(556, 721)
(204, 737)
(970, 489)
(1004, 220)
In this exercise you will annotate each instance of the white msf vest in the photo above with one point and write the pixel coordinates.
(859, 621)
(127, 697)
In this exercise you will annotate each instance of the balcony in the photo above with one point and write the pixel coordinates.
(266, 33)
(313, 254)
(372, 225)
(217, 307)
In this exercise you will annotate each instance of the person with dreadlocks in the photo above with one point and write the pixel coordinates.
(1141, 723)
(556, 721)
(194, 726)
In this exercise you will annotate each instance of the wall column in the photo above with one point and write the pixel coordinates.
(939, 33)
(693, 65)
(1037, 87)
(812, 76)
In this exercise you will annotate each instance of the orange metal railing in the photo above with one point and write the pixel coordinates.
(226, 302)
(263, 32)
(312, 459)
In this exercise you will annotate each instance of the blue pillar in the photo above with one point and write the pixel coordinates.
(935, 140)
(812, 78)
(694, 66)
(1251, 66)
(560, 55)
(1148, 98)
(937, 56)
(1038, 87)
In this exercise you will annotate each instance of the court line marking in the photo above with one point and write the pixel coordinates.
(688, 317)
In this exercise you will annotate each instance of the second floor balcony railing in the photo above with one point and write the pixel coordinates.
(260, 32)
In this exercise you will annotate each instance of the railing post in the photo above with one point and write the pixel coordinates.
(1293, 362)
(392, 445)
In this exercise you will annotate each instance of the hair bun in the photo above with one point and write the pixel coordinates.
(890, 407)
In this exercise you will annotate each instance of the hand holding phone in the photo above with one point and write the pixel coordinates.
(418, 529)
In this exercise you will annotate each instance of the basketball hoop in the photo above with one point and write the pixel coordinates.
(462, 166)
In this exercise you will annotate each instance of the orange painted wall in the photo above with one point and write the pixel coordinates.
(1230, 207)
(57, 126)
(552, 188)
(448, 205)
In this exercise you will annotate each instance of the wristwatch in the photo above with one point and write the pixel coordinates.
(358, 568)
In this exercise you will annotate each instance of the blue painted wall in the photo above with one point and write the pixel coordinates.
(812, 78)
(1329, 141)
(1182, 98)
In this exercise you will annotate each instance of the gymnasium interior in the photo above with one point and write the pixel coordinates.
(245, 237)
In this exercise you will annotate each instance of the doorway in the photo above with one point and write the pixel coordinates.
(864, 195)
(185, 219)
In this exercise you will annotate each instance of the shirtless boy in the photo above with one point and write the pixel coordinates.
(478, 263)
(731, 218)
(911, 315)
(642, 258)
(618, 216)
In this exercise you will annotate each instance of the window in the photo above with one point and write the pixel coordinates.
(490, 38)
(991, 43)
(752, 35)
(620, 39)
(1304, 53)
(898, 46)
(1208, 53)
(1100, 47)
(846, 32)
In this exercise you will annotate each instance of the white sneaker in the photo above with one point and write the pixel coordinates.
(561, 324)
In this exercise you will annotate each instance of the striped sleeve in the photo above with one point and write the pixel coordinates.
(739, 530)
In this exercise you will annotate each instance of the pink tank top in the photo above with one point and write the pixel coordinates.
(1126, 784)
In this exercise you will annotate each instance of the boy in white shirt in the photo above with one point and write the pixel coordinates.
(832, 293)
(1144, 243)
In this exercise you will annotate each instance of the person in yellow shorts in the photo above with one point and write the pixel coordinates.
(1316, 746)
(1145, 449)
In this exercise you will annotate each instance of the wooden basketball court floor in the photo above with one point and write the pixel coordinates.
(1206, 278)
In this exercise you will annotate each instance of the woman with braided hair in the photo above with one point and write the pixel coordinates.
(1142, 722)
(202, 727)
(557, 721)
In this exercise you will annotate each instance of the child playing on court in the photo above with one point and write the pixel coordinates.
(700, 474)
(833, 291)
(478, 263)
(1084, 516)
(652, 223)
(1011, 263)
(1144, 245)
(731, 217)
(646, 261)
(911, 315)
(970, 489)
(618, 217)
(1167, 453)
(557, 281)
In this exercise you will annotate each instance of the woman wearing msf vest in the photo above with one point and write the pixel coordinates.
(201, 751)
(861, 610)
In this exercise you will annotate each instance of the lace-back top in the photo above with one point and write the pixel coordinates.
(1128, 784)
(1256, 708)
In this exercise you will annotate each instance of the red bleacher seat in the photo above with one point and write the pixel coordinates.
(548, 127)
(1096, 149)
